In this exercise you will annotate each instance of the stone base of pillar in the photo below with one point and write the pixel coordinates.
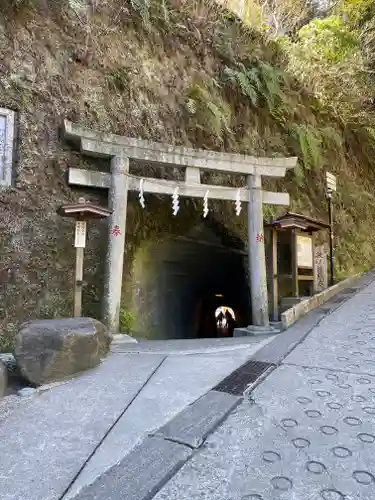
(123, 338)
(250, 330)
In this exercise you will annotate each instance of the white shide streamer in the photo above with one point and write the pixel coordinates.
(238, 202)
(205, 204)
(141, 195)
(175, 201)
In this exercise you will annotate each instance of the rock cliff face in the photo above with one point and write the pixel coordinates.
(149, 73)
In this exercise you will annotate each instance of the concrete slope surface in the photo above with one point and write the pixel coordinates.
(55, 442)
(307, 432)
(47, 439)
(178, 382)
(142, 425)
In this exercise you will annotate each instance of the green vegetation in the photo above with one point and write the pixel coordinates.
(127, 321)
(190, 72)
(210, 111)
(310, 94)
(118, 80)
(261, 83)
(6, 344)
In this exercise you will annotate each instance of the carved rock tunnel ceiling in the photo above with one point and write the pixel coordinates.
(177, 298)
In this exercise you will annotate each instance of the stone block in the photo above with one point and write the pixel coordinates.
(50, 350)
(3, 378)
(141, 474)
(26, 392)
(288, 302)
(123, 338)
(197, 421)
(251, 330)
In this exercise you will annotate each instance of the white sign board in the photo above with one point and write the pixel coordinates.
(304, 251)
(331, 181)
(80, 239)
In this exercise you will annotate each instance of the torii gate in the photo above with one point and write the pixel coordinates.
(121, 149)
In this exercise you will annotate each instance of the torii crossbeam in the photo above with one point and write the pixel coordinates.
(121, 149)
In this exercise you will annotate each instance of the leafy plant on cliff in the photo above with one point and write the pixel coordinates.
(261, 83)
(355, 12)
(142, 7)
(118, 79)
(309, 142)
(148, 10)
(204, 103)
(235, 78)
(127, 321)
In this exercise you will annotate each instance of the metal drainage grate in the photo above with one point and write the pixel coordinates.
(237, 382)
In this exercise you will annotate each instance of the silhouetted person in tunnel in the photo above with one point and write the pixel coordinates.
(220, 317)
(231, 323)
(219, 322)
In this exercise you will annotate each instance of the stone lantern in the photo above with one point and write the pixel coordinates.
(81, 212)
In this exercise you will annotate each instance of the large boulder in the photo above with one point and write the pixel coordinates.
(50, 350)
(3, 378)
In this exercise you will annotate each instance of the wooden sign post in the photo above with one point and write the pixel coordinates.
(81, 212)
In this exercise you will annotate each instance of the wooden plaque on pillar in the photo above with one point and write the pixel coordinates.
(304, 251)
(320, 269)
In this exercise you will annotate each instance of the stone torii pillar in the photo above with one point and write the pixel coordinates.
(114, 263)
(119, 150)
(257, 255)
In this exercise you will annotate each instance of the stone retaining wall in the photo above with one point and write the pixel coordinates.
(290, 316)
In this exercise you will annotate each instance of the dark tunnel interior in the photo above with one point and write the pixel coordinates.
(196, 275)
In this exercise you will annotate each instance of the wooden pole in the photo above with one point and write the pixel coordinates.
(78, 282)
(295, 288)
(313, 290)
(79, 243)
(331, 258)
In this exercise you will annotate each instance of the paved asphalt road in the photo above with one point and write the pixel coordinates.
(147, 424)
(55, 442)
(307, 432)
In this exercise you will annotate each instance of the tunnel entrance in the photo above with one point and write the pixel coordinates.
(225, 321)
(193, 276)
